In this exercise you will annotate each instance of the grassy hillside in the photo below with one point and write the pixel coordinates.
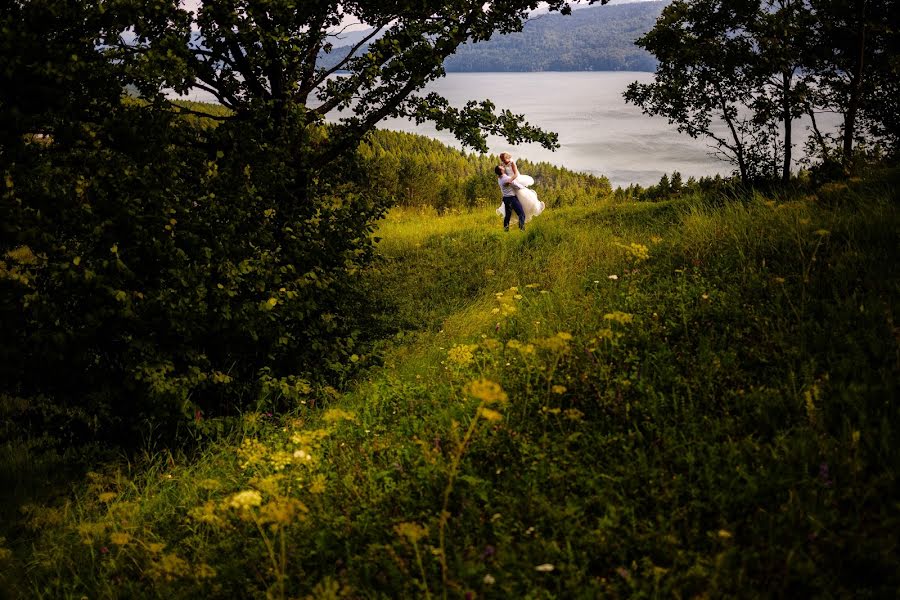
(685, 398)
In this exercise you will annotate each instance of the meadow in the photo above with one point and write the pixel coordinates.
(695, 397)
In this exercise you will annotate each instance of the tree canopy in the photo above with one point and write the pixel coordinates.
(740, 72)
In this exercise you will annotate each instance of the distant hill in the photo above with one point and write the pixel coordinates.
(596, 38)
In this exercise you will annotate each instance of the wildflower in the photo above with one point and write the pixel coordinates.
(333, 415)
(489, 579)
(107, 496)
(413, 532)
(613, 277)
(209, 484)
(155, 547)
(318, 484)
(489, 415)
(486, 390)
(564, 335)
(245, 500)
(281, 512)
(120, 538)
(637, 251)
(724, 534)
(169, 567)
(462, 355)
(531, 286)
(822, 232)
(303, 455)
(544, 568)
(558, 389)
(23, 255)
(655, 239)
(573, 414)
(618, 316)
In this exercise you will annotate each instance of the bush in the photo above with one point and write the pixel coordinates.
(154, 271)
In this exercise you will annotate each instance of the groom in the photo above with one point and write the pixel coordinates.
(510, 201)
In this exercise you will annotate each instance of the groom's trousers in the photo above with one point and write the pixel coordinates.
(511, 203)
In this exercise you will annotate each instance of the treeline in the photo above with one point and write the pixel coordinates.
(598, 38)
(419, 171)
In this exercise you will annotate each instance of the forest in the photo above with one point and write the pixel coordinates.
(595, 38)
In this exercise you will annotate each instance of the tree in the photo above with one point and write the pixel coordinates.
(708, 75)
(782, 46)
(154, 268)
(854, 63)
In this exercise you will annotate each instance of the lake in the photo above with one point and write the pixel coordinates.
(598, 132)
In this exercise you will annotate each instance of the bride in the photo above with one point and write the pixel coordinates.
(531, 206)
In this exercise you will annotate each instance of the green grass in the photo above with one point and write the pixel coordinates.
(677, 399)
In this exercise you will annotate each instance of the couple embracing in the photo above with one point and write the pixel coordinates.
(516, 195)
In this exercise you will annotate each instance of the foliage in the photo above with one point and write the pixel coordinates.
(678, 398)
(161, 262)
(740, 72)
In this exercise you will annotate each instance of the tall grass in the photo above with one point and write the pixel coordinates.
(687, 398)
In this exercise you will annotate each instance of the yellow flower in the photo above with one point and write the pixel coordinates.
(462, 355)
(282, 511)
(120, 538)
(573, 414)
(489, 414)
(637, 251)
(107, 496)
(411, 531)
(619, 317)
(333, 415)
(559, 389)
(209, 484)
(318, 484)
(486, 390)
(245, 500)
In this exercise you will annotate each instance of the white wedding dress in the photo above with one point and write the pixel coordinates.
(531, 206)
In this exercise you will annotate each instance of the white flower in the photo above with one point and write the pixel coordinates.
(489, 579)
(613, 277)
(544, 568)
